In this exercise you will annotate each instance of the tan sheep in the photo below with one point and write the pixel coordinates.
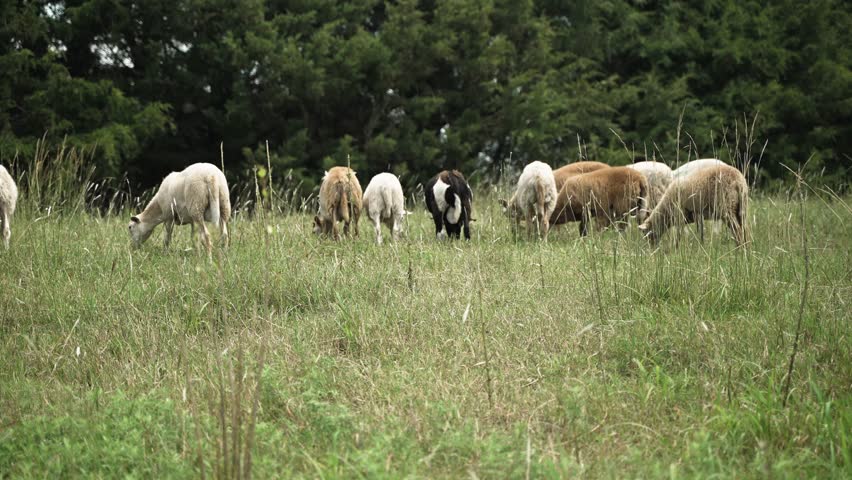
(610, 195)
(535, 196)
(191, 196)
(339, 200)
(577, 168)
(718, 192)
(8, 201)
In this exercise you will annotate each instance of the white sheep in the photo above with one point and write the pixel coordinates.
(716, 192)
(659, 177)
(8, 200)
(695, 166)
(197, 194)
(535, 196)
(384, 202)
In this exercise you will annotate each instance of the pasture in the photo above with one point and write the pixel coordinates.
(291, 356)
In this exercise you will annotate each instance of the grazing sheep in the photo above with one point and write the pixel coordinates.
(385, 202)
(659, 177)
(577, 168)
(717, 192)
(448, 198)
(197, 194)
(535, 196)
(339, 200)
(610, 195)
(8, 200)
(689, 168)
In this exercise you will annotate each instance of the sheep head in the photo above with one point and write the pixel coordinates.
(139, 231)
(650, 233)
(510, 208)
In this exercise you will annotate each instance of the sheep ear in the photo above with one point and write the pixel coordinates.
(135, 219)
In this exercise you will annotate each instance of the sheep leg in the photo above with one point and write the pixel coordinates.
(601, 222)
(466, 224)
(438, 218)
(529, 222)
(736, 230)
(205, 238)
(584, 227)
(699, 223)
(378, 225)
(167, 238)
(396, 228)
(223, 232)
(335, 231)
(7, 229)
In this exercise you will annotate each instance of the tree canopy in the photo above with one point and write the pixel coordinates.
(414, 86)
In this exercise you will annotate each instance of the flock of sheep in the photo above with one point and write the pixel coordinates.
(659, 197)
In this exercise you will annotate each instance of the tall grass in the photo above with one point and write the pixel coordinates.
(289, 356)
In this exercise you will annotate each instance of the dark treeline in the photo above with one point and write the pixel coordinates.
(414, 86)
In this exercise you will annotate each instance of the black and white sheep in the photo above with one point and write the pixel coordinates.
(448, 198)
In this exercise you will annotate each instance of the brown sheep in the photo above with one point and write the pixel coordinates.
(717, 192)
(577, 168)
(610, 195)
(339, 200)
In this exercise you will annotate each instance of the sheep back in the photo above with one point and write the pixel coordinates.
(694, 166)
(577, 168)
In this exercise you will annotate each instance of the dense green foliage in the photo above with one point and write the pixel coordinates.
(414, 86)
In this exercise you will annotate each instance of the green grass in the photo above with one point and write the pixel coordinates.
(604, 359)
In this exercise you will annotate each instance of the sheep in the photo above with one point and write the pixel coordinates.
(339, 200)
(659, 177)
(8, 201)
(448, 198)
(716, 192)
(610, 195)
(385, 202)
(694, 166)
(535, 196)
(577, 168)
(197, 194)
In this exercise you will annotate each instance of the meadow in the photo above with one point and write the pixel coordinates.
(292, 356)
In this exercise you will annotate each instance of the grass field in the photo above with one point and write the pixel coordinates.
(290, 356)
